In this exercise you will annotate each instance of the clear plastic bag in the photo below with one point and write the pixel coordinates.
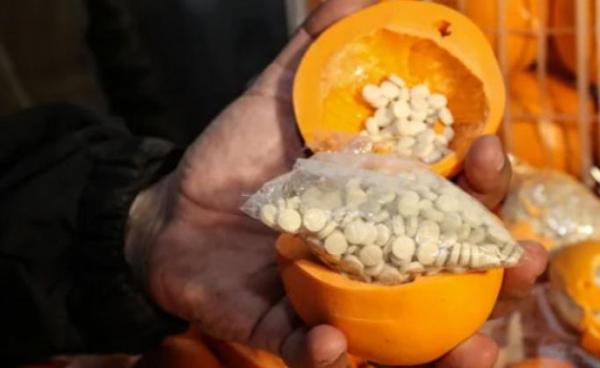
(554, 206)
(382, 218)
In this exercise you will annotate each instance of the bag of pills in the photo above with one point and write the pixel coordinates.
(382, 218)
(553, 205)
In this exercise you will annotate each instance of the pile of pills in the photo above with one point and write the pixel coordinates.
(388, 229)
(410, 121)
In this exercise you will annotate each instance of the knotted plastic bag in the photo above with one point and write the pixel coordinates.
(381, 218)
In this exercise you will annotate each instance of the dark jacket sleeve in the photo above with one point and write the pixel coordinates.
(67, 180)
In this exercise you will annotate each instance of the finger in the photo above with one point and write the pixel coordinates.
(479, 351)
(487, 171)
(281, 332)
(277, 79)
(321, 347)
(519, 281)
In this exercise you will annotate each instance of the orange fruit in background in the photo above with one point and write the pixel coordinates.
(408, 324)
(421, 42)
(241, 356)
(523, 20)
(542, 363)
(575, 290)
(563, 17)
(547, 143)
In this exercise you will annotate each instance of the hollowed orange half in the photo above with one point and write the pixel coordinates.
(407, 324)
(419, 41)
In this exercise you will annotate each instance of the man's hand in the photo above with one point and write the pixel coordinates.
(206, 262)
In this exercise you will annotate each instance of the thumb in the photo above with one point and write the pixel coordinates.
(277, 79)
(320, 347)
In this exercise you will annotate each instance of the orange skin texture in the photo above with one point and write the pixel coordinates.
(554, 144)
(563, 16)
(241, 356)
(181, 352)
(419, 41)
(523, 20)
(576, 268)
(542, 363)
(407, 324)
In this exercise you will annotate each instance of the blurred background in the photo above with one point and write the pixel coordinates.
(167, 67)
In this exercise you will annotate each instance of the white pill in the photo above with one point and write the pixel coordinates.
(281, 204)
(425, 203)
(375, 270)
(427, 232)
(372, 95)
(344, 217)
(398, 225)
(381, 216)
(477, 235)
(331, 200)
(370, 255)
(336, 244)
(390, 276)
(403, 248)
(289, 220)
(465, 254)
(475, 261)
(383, 235)
(372, 126)
(414, 267)
(426, 136)
(386, 197)
(352, 265)
(311, 197)
(419, 116)
(352, 249)
(419, 91)
(434, 156)
(397, 80)
(389, 90)
(448, 133)
(515, 256)
(464, 232)
(408, 203)
(268, 215)
(451, 222)
(411, 128)
(293, 203)
(498, 234)
(441, 258)
(472, 214)
(427, 253)
(401, 109)
(420, 105)
(432, 214)
(412, 224)
(447, 203)
(371, 233)
(384, 116)
(354, 183)
(448, 239)
(423, 149)
(355, 197)
(437, 101)
(454, 255)
(488, 260)
(446, 116)
(440, 141)
(315, 219)
(406, 143)
(355, 232)
(327, 230)
(404, 94)
(427, 194)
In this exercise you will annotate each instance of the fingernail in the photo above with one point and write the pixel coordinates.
(499, 158)
(340, 362)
